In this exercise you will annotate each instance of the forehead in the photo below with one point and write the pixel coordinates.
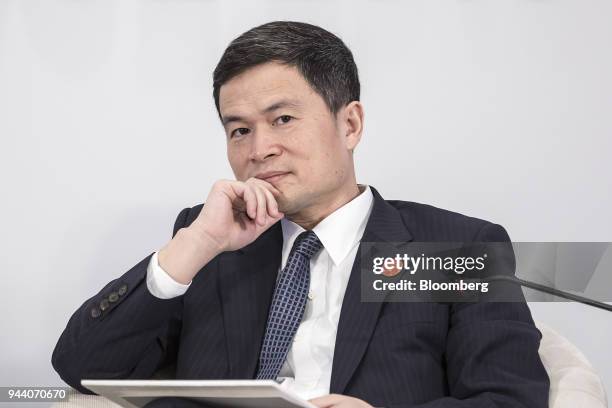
(262, 85)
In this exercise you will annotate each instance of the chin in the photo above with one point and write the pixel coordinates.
(285, 207)
(288, 205)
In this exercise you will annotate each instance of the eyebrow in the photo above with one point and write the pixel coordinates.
(283, 103)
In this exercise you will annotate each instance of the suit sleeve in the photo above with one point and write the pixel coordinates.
(121, 332)
(492, 352)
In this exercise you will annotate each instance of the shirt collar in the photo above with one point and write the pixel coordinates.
(339, 231)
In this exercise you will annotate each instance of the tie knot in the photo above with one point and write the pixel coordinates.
(307, 244)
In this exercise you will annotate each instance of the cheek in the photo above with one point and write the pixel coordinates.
(323, 163)
(237, 162)
(318, 149)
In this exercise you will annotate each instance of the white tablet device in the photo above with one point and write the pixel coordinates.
(214, 393)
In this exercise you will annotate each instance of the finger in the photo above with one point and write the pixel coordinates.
(261, 204)
(267, 204)
(265, 188)
(243, 220)
(269, 222)
(269, 186)
(327, 400)
(272, 204)
(250, 200)
(236, 189)
(236, 195)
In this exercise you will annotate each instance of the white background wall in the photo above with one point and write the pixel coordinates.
(497, 109)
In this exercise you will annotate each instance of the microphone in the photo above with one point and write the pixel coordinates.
(549, 290)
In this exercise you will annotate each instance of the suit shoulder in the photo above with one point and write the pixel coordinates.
(427, 222)
(186, 217)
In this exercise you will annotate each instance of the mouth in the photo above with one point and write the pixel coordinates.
(272, 177)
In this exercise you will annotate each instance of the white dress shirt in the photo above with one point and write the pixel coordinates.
(307, 369)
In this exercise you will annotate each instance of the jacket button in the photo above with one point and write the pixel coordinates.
(122, 290)
(104, 304)
(113, 297)
(95, 312)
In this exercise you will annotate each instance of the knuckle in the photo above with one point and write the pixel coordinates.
(222, 184)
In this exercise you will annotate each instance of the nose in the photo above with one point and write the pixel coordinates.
(264, 146)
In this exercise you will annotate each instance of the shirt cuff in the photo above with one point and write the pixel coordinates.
(160, 284)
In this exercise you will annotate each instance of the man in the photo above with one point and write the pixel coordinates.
(261, 281)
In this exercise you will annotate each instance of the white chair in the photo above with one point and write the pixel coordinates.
(573, 382)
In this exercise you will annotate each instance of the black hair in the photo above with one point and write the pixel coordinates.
(322, 58)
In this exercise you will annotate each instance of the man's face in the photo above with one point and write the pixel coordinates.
(276, 123)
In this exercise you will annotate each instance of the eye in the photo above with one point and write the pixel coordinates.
(240, 132)
(283, 119)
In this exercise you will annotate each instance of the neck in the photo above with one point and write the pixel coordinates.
(308, 218)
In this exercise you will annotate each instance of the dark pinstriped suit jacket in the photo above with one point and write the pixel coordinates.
(388, 354)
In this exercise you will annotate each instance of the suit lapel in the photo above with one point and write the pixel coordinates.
(247, 280)
(358, 319)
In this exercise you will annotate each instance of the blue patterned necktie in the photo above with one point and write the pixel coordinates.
(288, 304)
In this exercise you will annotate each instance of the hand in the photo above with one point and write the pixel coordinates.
(236, 213)
(339, 401)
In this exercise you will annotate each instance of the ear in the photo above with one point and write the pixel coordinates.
(351, 123)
